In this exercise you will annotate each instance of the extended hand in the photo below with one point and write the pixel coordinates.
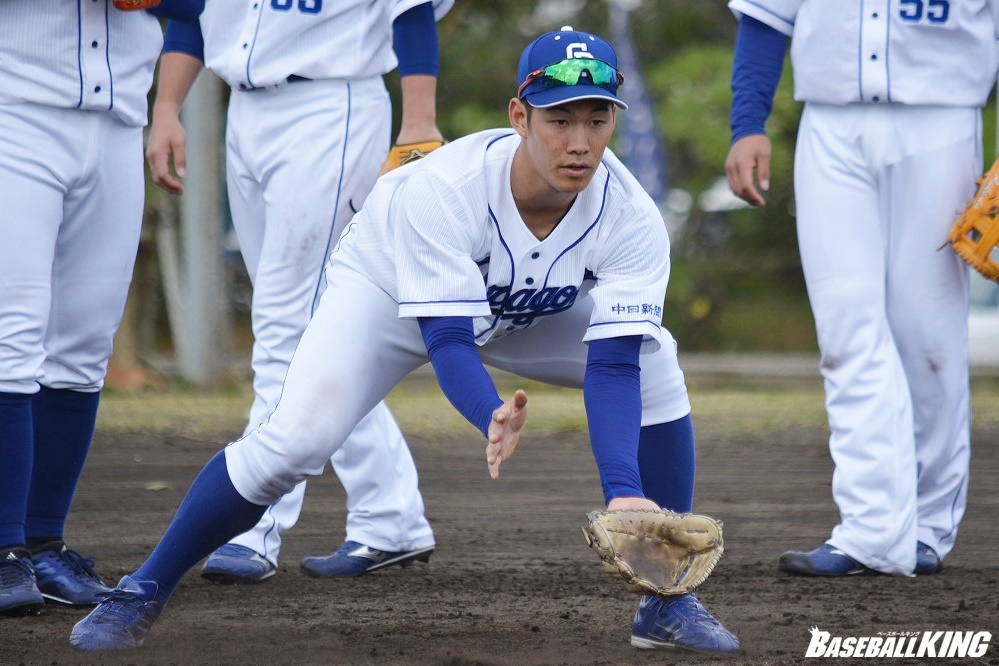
(504, 431)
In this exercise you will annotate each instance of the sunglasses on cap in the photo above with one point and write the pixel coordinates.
(568, 72)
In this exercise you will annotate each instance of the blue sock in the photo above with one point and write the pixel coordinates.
(211, 514)
(666, 461)
(15, 471)
(64, 427)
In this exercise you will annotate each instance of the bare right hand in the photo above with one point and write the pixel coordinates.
(167, 140)
(749, 155)
(504, 431)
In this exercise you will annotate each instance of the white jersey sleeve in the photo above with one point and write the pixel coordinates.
(259, 44)
(631, 262)
(78, 55)
(920, 52)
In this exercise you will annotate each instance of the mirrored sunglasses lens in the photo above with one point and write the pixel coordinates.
(568, 72)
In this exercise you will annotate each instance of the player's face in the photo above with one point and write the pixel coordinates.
(564, 143)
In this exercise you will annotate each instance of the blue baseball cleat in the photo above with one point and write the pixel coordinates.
(826, 560)
(233, 564)
(680, 622)
(66, 577)
(122, 618)
(927, 560)
(19, 594)
(356, 559)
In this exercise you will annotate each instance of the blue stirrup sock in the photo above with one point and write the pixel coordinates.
(63, 422)
(666, 461)
(15, 472)
(211, 514)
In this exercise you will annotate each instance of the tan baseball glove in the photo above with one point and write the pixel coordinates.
(133, 5)
(975, 234)
(655, 552)
(408, 152)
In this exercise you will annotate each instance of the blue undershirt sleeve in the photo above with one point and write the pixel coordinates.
(462, 377)
(612, 393)
(183, 10)
(184, 37)
(415, 40)
(756, 70)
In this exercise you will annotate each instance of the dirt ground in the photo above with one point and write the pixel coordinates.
(511, 582)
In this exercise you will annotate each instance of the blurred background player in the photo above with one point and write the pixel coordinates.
(73, 86)
(308, 126)
(888, 151)
(549, 260)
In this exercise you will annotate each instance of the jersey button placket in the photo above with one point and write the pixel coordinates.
(873, 68)
(94, 63)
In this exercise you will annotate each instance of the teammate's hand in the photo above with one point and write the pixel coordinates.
(167, 139)
(504, 431)
(748, 155)
(627, 503)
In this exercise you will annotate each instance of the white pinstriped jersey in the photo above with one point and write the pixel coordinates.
(258, 43)
(86, 55)
(922, 52)
(444, 237)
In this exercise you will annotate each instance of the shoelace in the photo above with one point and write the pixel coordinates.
(71, 561)
(691, 606)
(117, 604)
(14, 571)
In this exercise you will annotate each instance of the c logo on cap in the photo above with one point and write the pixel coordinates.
(577, 50)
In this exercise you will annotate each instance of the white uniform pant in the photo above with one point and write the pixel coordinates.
(71, 198)
(357, 349)
(301, 158)
(876, 189)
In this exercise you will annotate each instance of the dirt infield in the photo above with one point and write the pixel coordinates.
(511, 582)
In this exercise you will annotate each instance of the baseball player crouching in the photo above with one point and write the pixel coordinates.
(532, 250)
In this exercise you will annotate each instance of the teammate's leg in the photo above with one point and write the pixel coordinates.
(69, 271)
(385, 509)
(291, 225)
(19, 591)
(91, 274)
(842, 234)
(928, 308)
(31, 191)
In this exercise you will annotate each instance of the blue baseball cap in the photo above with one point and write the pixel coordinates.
(567, 65)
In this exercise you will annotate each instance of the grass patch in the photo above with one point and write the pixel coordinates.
(421, 409)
